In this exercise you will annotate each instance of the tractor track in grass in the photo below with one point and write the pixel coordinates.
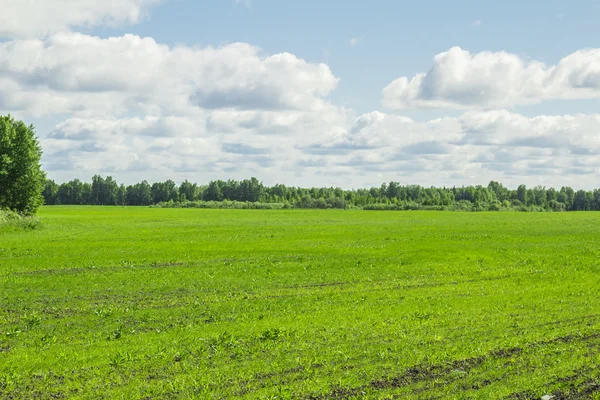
(423, 373)
(573, 391)
(154, 264)
(79, 270)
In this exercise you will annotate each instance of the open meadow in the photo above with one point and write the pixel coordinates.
(142, 303)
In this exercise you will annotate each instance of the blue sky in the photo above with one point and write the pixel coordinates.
(394, 37)
(334, 93)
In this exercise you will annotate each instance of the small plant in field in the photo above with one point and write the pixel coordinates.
(7, 381)
(209, 318)
(180, 356)
(12, 331)
(272, 334)
(119, 359)
(31, 320)
(48, 338)
(116, 334)
(422, 315)
(104, 312)
(225, 341)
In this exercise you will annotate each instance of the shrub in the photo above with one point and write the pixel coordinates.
(225, 204)
(13, 220)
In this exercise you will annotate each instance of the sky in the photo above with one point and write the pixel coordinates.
(313, 93)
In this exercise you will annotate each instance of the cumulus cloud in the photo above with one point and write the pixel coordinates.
(239, 148)
(34, 18)
(377, 130)
(577, 134)
(461, 80)
(492, 145)
(134, 105)
(366, 149)
(304, 123)
(86, 75)
(91, 128)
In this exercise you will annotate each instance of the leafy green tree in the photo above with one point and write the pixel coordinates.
(500, 191)
(252, 190)
(580, 202)
(164, 191)
(139, 194)
(97, 190)
(551, 195)
(567, 196)
(596, 200)
(539, 196)
(522, 194)
(121, 195)
(393, 190)
(110, 191)
(50, 192)
(213, 192)
(21, 177)
(188, 190)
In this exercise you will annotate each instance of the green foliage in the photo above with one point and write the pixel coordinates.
(225, 204)
(251, 193)
(104, 191)
(164, 191)
(10, 220)
(21, 177)
(157, 303)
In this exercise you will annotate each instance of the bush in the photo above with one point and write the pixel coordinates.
(13, 220)
(557, 206)
(462, 205)
(495, 206)
(225, 204)
(382, 207)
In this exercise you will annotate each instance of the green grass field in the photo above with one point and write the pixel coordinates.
(140, 303)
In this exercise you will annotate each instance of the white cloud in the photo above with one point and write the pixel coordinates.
(354, 41)
(477, 23)
(461, 80)
(376, 130)
(475, 147)
(85, 75)
(150, 126)
(573, 134)
(332, 147)
(388, 132)
(134, 105)
(34, 18)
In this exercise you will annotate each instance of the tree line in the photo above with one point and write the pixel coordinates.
(24, 188)
(388, 196)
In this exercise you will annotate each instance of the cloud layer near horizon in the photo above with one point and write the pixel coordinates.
(475, 146)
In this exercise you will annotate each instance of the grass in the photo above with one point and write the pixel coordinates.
(139, 303)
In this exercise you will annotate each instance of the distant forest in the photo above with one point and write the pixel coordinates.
(251, 193)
